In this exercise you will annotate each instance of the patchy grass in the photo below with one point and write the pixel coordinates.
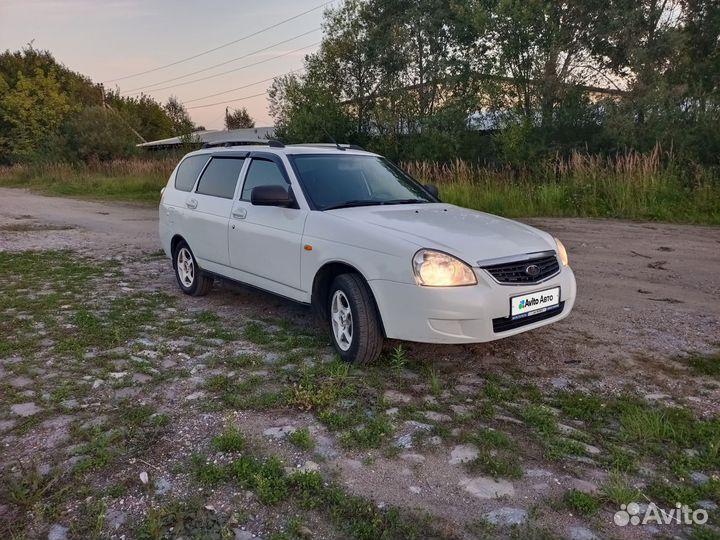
(496, 455)
(231, 440)
(705, 365)
(302, 439)
(584, 504)
(618, 491)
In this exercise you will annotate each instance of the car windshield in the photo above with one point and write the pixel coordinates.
(341, 181)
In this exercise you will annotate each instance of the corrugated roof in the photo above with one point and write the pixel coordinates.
(214, 136)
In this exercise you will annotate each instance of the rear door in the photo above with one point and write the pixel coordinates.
(208, 209)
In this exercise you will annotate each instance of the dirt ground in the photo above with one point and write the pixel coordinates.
(646, 301)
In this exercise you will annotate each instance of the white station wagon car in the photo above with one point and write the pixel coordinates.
(376, 253)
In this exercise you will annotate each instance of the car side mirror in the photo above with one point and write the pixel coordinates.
(272, 196)
(432, 190)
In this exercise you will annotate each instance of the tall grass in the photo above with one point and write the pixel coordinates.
(633, 186)
(127, 179)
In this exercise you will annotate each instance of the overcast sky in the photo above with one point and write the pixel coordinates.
(109, 39)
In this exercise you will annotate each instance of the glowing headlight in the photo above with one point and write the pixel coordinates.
(436, 269)
(562, 252)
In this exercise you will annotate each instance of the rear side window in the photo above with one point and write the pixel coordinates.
(262, 173)
(220, 177)
(188, 172)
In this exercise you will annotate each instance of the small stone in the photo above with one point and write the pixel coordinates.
(70, 403)
(97, 383)
(436, 416)
(304, 532)
(162, 486)
(279, 432)
(507, 516)
(57, 532)
(118, 374)
(656, 397)
(560, 383)
(463, 453)
(583, 485)
(414, 489)
(243, 535)
(567, 430)
(404, 441)
(271, 358)
(141, 378)
(20, 382)
(195, 395)
(590, 449)
(510, 419)
(691, 452)
(417, 426)
(537, 473)
(487, 488)
(435, 440)
(25, 409)
(115, 518)
(392, 411)
(707, 505)
(144, 478)
(393, 396)
(413, 458)
(309, 466)
(581, 533)
(699, 479)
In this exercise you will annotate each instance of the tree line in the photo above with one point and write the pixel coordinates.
(511, 82)
(50, 113)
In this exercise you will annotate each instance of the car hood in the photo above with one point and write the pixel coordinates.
(468, 234)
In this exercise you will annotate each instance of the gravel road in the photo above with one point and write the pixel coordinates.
(646, 300)
(645, 290)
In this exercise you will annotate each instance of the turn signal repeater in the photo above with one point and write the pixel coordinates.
(307, 247)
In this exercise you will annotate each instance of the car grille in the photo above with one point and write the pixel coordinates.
(507, 323)
(514, 272)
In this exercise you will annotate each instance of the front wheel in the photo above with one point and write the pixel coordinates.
(191, 279)
(354, 320)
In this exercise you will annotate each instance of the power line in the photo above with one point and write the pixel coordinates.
(235, 69)
(241, 87)
(221, 46)
(149, 86)
(228, 101)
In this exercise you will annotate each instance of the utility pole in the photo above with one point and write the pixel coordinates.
(227, 114)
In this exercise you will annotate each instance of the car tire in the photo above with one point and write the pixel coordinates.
(354, 321)
(191, 279)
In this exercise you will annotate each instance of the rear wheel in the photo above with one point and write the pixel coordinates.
(191, 279)
(354, 320)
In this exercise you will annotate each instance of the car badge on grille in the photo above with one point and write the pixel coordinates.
(532, 270)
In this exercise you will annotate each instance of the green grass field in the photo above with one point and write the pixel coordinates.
(633, 186)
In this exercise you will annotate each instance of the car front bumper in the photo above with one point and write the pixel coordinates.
(463, 314)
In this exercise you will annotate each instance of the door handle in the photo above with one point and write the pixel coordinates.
(239, 213)
(191, 203)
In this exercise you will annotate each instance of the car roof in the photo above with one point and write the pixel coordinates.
(298, 149)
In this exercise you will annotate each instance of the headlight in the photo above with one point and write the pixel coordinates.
(562, 252)
(437, 269)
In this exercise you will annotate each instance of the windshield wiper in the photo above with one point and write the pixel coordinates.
(405, 201)
(350, 204)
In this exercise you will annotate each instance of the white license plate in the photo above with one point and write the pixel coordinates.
(534, 303)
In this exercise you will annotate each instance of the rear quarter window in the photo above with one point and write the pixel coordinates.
(188, 171)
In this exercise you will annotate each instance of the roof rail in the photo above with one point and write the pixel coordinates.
(274, 143)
